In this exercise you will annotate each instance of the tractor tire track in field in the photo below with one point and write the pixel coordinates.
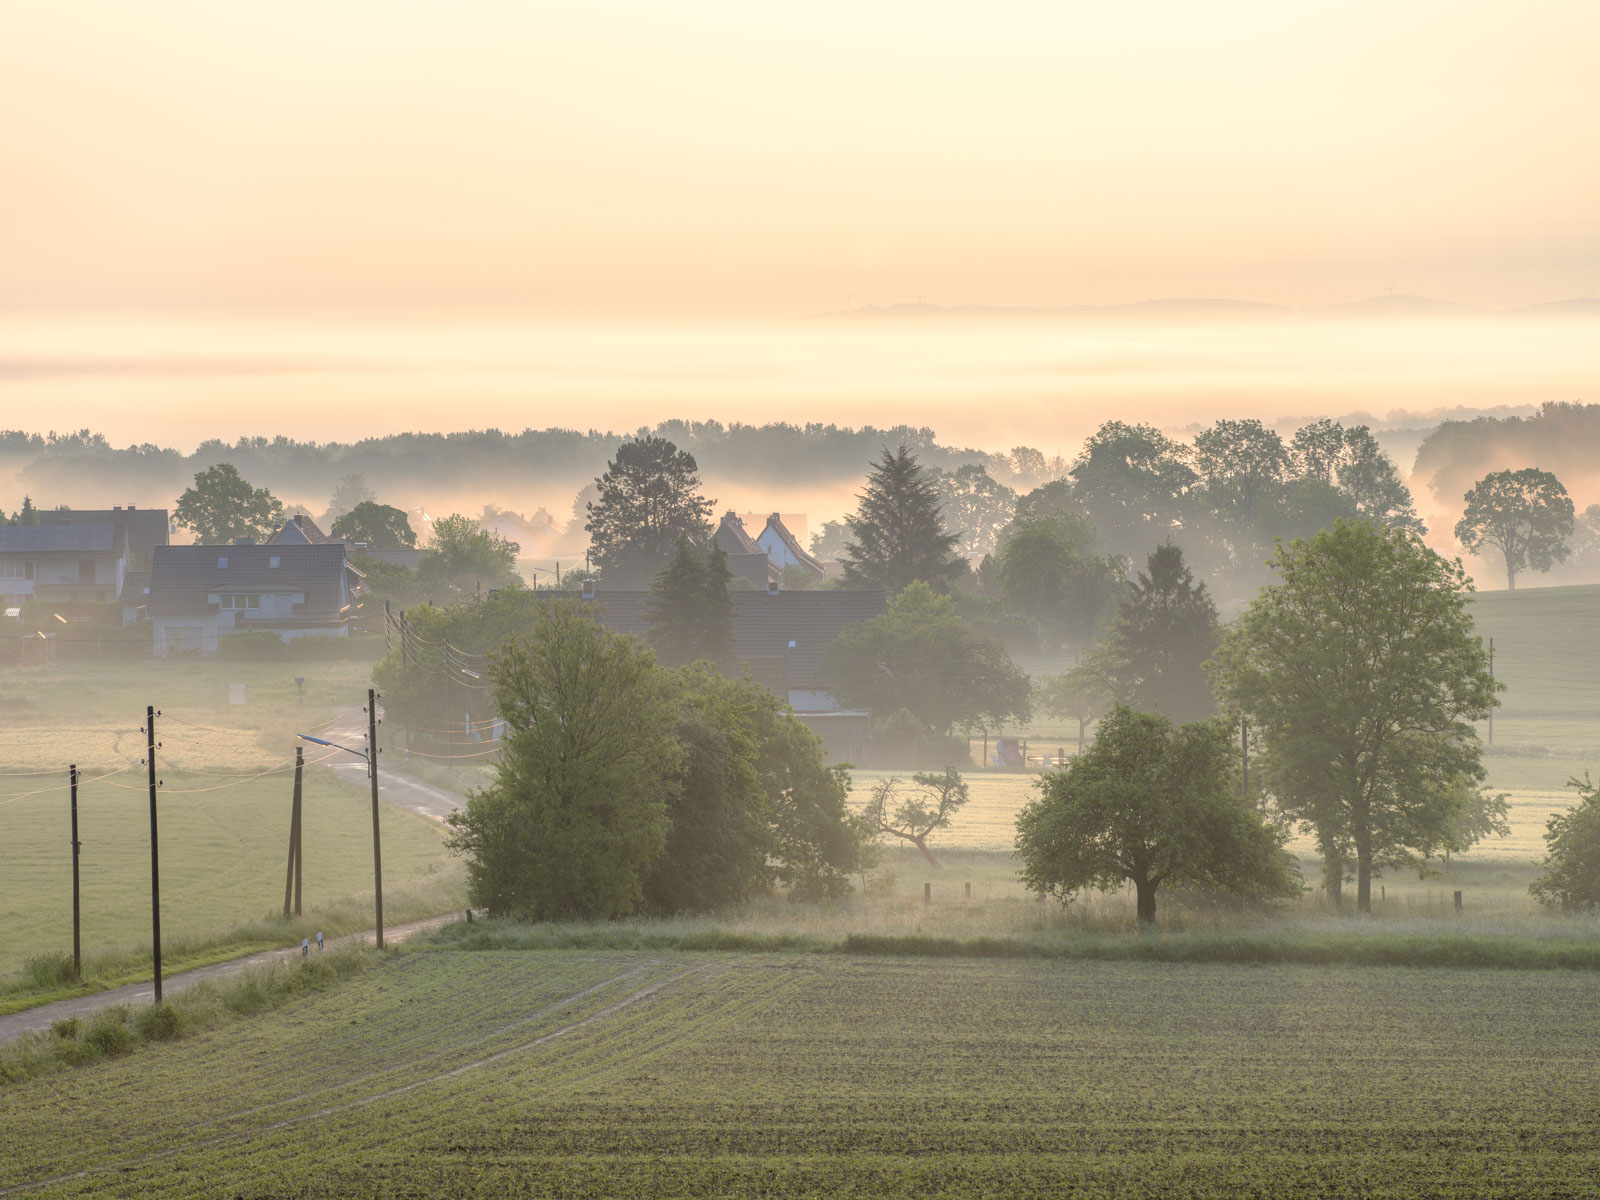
(390, 1093)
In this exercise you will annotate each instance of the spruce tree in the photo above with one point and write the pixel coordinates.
(689, 611)
(897, 537)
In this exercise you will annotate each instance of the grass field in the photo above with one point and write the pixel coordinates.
(224, 813)
(604, 1074)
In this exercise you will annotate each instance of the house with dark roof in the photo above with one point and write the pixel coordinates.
(298, 530)
(779, 638)
(146, 528)
(201, 594)
(81, 563)
(784, 549)
(746, 559)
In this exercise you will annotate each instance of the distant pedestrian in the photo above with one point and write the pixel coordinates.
(305, 947)
(319, 941)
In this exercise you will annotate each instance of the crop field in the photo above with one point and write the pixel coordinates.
(224, 807)
(603, 1074)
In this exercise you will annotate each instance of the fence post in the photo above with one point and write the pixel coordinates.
(927, 894)
(969, 891)
(1458, 901)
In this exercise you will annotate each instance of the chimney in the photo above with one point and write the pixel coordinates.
(773, 587)
(588, 589)
(300, 519)
(130, 508)
(116, 508)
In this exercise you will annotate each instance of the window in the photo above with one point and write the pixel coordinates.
(240, 600)
(222, 562)
(272, 562)
(16, 569)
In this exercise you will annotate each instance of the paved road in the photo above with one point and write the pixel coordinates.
(394, 787)
(16, 1024)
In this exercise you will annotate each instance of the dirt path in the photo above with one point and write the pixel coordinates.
(31, 1019)
(394, 785)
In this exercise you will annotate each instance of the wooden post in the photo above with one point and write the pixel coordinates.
(927, 894)
(155, 859)
(969, 891)
(985, 762)
(377, 845)
(1458, 901)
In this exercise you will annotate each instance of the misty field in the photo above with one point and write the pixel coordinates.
(590, 1074)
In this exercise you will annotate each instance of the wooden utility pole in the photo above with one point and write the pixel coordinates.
(1491, 689)
(1244, 746)
(372, 773)
(77, 945)
(291, 881)
(155, 858)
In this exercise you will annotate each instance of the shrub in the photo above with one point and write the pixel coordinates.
(67, 1027)
(158, 1023)
(108, 1032)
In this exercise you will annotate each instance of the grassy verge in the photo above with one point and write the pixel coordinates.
(1377, 947)
(48, 977)
(121, 1029)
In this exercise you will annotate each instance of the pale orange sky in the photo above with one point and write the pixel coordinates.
(664, 160)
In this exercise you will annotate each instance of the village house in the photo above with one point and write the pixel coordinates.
(62, 564)
(200, 594)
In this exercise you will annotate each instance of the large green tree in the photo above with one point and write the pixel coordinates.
(1361, 674)
(973, 506)
(690, 612)
(221, 506)
(1152, 805)
(919, 657)
(468, 558)
(1050, 573)
(380, 526)
(578, 810)
(897, 536)
(1242, 466)
(1135, 484)
(648, 497)
(1526, 515)
(1154, 651)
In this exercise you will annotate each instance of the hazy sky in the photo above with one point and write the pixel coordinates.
(674, 159)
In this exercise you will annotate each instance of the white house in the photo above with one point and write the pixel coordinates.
(199, 594)
(64, 564)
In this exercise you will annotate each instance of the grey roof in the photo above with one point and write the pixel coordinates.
(297, 528)
(63, 539)
(184, 576)
(147, 527)
(734, 538)
(134, 586)
(410, 559)
(763, 624)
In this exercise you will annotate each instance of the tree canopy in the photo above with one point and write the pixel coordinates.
(897, 535)
(1152, 805)
(1050, 572)
(973, 506)
(578, 808)
(380, 526)
(467, 557)
(1526, 515)
(932, 804)
(920, 658)
(1361, 674)
(648, 497)
(221, 506)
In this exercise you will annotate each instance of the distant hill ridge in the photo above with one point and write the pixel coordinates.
(1214, 308)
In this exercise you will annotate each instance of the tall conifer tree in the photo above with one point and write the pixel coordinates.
(897, 537)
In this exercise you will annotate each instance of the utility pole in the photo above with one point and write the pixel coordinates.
(372, 773)
(1491, 689)
(77, 945)
(291, 881)
(155, 859)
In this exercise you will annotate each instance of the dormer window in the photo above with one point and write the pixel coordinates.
(240, 600)
(273, 562)
(222, 562)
